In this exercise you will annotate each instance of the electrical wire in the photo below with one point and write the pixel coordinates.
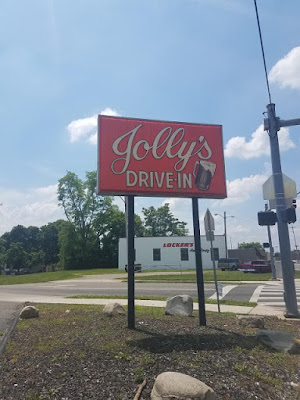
(263, 52)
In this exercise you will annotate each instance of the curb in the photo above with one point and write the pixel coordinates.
(9, 331)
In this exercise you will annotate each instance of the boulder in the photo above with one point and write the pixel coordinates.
(252, 322)
(174, 385)
(179, 305)
(280, 341)
(29, 312)
(114, 309)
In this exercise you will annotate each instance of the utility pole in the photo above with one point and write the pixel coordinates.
(225, 234)
(274, 277)
(296, 246)
(273, 125)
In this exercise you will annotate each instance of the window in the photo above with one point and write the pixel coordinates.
(184, 253)
(156, 255)
(216, 254)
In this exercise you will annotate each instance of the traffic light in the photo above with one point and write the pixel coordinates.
(289, 215)
(294, 203)
(266, 218)
(266, 245)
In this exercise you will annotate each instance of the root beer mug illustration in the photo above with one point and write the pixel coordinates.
(203, 173)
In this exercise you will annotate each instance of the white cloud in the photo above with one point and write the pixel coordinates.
(85, 127)
(35, 207)
(258, 145)
(285, 72)
(242, 189)
(80, 128)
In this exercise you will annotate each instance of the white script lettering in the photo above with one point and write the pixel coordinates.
(164, 142)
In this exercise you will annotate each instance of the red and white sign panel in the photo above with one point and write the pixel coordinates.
(158, 158)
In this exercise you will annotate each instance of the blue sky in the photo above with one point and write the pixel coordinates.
(64, 62)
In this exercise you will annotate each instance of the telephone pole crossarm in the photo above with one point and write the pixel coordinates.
(281, 123)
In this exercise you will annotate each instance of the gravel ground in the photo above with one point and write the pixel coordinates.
(75, 352)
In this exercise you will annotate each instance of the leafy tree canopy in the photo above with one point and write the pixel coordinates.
(161, 222)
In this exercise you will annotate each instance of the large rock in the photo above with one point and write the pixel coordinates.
(29, 312)
(280, 341)
(251, 322)
(179, 305)
(173, 385)
(114, 309)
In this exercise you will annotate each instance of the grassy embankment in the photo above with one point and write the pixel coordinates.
(169, 276)
(53, 276)
(208, 275)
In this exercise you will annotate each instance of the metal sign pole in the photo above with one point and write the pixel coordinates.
(130, 258)
(198, 259)
(214, 263)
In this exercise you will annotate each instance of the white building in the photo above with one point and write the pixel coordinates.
(175, 252)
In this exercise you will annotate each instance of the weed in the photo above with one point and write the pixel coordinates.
(56, 358)
(148, 360)
(139, 375)
(240, 367)
(53, 392)
(81, 355)
(123, 356)
(238, 349)
(33, 395)
(264, 377)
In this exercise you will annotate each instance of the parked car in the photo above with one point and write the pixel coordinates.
(228, 263)
(137, 268)
(256, 266)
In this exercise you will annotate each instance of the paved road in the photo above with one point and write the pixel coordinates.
(108, 286)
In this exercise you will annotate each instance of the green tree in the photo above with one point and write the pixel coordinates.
(250, 245)
(29, 237)
(49, 242)
(161, 222)
(36, 261)
(79, 241)
(112, 226)
(16, 256)
(2, 256)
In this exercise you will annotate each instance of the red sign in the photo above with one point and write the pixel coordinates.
(157, 158)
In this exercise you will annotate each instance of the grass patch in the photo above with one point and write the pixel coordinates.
(53, 276)
(163, 298)
(208, 276)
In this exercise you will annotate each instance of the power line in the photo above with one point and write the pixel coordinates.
(263, 52)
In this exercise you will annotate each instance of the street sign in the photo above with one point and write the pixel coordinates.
(220, 289)
(210, 236)
(289, 185)
(209, 222)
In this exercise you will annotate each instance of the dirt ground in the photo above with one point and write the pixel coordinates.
(76, 352)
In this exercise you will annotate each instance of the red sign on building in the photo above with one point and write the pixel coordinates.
(158, 158)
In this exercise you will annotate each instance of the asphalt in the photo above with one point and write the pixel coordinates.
(10, 309)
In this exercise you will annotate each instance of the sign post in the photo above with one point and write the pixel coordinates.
(139, 157)
(209, 224)
(198, 259)
(129, 202)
